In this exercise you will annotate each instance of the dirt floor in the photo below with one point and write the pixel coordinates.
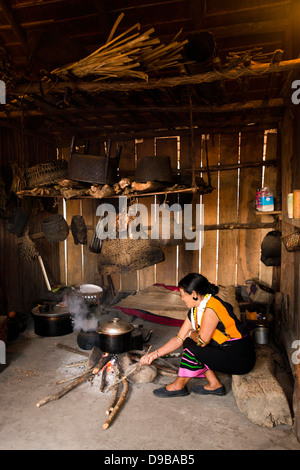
(33, 366)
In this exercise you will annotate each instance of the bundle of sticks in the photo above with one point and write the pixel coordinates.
(131, 54)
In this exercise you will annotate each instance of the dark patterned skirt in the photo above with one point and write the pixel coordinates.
(233, 357)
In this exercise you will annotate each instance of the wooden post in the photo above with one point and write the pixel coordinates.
(296, 401)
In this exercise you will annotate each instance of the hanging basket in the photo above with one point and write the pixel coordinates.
(55, 228)
(118, 256)
(292, 242)
(79, 230)
(46, 173)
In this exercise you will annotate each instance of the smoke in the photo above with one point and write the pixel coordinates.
(81, 317)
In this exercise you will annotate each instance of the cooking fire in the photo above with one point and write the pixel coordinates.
(112, 369)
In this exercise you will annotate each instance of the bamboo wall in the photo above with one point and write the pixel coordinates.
(229, 256)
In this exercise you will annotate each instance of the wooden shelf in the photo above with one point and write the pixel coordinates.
(294, 222)
(268, 212)
(27, 193)
(251, 204)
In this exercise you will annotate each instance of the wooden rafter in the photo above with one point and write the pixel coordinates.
(14, 23)
(213, 109)
(255, 70)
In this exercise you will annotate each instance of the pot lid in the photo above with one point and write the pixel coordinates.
(115, 327)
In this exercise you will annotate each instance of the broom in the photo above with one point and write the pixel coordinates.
(29, 252)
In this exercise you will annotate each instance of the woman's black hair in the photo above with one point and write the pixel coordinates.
(198, 283)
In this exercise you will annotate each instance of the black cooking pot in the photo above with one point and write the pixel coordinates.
(88, 339)
(52, 322)
(115, 336)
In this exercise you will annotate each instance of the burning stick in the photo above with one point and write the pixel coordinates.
(115, 390)
(66, 389)
(136, 366)
(68, 379)
(77, 381)
(103, 361)
(124, 377)
(103, 378)
(118, 405)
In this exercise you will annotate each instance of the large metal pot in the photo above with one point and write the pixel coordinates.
(52, 322)
(115, 336)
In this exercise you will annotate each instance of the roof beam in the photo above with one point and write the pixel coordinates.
(254, 70)
(14, 23)
(246, 29)
(212, 109)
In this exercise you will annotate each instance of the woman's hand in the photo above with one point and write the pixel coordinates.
(148, 358)
(172, 345)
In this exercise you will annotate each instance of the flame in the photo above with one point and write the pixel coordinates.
(108, 367)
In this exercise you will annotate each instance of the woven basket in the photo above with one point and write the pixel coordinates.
(46, 173)
(292, 242)
(55, 228)
(93, 169)
(153, 169)
(119, 256)
(79, 230)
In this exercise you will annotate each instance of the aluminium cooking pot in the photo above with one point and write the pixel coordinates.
(261, 334)
(115, 336)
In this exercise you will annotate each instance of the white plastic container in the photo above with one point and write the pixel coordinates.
(266, 200)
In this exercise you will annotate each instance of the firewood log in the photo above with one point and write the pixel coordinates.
(76, 351)
(115, 390)
(66, 389)
(116, 408)
(103, 361)
(103, 379)
(77, 364)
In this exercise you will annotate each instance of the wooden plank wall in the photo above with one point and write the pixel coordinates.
(227, 256)
(21, 282)
(290, 262)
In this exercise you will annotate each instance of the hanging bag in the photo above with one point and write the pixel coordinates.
(292, 242)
